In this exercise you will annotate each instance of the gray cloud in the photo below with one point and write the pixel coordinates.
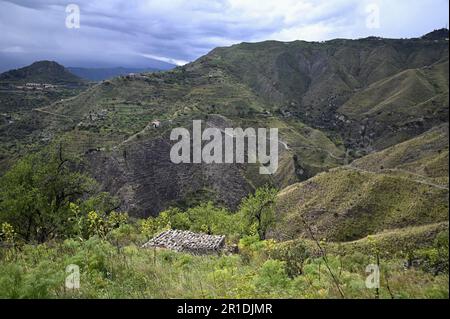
(130, 32)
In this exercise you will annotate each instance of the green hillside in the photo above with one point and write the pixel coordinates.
(424, 158)
(402, 186)
(395, 107)
(347, 204)
(86, 177)
(332, 101)
(20, 128)
(41, 72)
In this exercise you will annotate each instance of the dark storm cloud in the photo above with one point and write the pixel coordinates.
(131, 32)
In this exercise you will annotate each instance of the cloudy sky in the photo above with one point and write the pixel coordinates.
(136, 33)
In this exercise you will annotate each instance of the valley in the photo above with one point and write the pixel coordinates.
(363, 157)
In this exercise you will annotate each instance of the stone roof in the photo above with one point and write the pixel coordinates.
(187, 241)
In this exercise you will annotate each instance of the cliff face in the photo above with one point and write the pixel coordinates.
(143, 176)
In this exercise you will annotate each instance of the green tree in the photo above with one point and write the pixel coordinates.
(35, 194)
(258, 209)
(205, 218)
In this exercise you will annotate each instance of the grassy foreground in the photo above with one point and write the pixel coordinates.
(262, 269)
(46, 235)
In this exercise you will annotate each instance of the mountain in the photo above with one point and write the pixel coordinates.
(99, 74)
(41, 72)
(111, 60)
(321, 82)
(402, 186)
(440, 34)
(333, 102)
(17, 100)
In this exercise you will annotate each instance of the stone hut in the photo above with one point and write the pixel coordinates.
(186, 241)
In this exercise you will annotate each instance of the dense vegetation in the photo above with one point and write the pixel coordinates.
(46, 226)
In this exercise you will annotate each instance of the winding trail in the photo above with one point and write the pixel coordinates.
(411, 179)
(322, 150)
(286, 147)
(54, 114)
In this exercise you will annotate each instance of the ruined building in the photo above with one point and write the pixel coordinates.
(186, 241)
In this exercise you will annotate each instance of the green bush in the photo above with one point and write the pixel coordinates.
(271, 278)
(294, 254)
(435, 259)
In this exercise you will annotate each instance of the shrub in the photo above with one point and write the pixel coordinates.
(7, 233)
(294, 255)
(11, 280)
(435, 259)
(271, 277)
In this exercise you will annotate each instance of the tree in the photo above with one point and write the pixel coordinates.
(258, 209)
(35, 194)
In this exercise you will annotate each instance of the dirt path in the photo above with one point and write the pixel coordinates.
(286, 147)
(322, 150)
(411, 179)
(54, 114)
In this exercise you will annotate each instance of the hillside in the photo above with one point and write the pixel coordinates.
(319, 81)
(48, 82)
(424, 157)
(86, 177)
(128, 105)
(348, 204)
(440, 34)
(41, 72)
(333, 102)
(404, 104)
(100, 74)
(404, 185)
